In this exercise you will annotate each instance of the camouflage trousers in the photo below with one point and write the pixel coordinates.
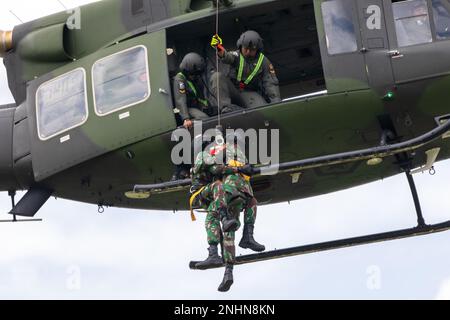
(213, 199)
(214, 231)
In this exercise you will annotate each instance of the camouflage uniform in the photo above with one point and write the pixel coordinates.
(220, 196)
(235, 185)
(206, 173)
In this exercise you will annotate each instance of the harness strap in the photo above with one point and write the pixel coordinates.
(204, 102)
(255, 71)
(192, 199)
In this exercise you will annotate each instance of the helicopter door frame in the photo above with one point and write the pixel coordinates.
(375, 43)
(413, 62)
(343, 63)
(132, 118)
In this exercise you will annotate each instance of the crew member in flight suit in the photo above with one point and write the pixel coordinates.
(189, 90)
(252, 81)
(189, 98)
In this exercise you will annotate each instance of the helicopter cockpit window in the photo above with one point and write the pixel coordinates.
(121, 80)
(339, 28)
(441, 16)
(61, 104)
(412, 22)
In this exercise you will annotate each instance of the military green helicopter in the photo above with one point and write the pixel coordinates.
(364, 86)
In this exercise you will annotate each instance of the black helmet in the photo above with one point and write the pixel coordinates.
(193, 64)
(250, 39)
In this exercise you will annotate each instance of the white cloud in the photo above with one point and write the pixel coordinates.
(140, 254)
(444, 291)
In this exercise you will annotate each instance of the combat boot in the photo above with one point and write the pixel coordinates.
(213, 260)
(229, 225)
(248, 242)
(227, 281)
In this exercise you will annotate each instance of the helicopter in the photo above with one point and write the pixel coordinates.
(364, 86)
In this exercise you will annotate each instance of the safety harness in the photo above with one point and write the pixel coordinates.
(191, 202)
(204, 102)
(243, 84)
(231, 163)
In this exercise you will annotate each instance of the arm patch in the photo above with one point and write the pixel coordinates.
(182, 87)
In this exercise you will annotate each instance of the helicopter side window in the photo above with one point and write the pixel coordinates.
(61, 104)
(121, 80)
(441, 16)
(339, 28)
(412, 22)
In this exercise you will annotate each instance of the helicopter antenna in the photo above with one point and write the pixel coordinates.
(62, 4)
(15, 15)
(217, 67)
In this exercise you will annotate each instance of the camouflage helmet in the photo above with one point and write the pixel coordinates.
(193, 64)
(250, 39)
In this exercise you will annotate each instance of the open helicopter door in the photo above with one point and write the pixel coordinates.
(117, 96)
(340, 45)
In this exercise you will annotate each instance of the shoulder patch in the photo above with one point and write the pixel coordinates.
(182, 87)
(235, 53)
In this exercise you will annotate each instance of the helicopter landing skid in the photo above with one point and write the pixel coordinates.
(337, 244)
(420, 230)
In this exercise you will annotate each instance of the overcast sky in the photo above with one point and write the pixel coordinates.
(77, 253)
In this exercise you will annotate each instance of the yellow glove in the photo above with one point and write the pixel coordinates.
(216, 41)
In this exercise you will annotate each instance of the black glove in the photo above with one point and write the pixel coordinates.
(247, 170)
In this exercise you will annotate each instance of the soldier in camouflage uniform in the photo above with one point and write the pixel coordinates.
(207, 187)
(225, 199)
(238, 196)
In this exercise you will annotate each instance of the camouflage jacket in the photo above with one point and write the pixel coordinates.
(207, 169)
(236, 181)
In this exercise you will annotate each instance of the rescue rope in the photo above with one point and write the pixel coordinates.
(217, 67)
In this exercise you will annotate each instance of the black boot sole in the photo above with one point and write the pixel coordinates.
(225, 286)
(201, 266)
(245, 246)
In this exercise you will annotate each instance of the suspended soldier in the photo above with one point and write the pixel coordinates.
(234, 194)
(238, 196)
(239, 184)
(207, 192)
(252, 81)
